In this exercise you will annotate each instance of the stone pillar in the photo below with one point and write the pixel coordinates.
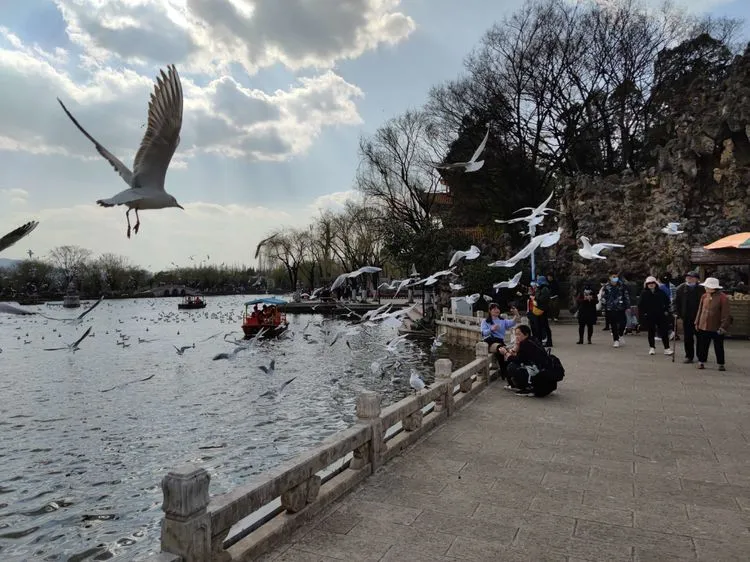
(186, 528)
(412, 422)
(482, 351)
(368, 412)
(299, 496)
(443, 370)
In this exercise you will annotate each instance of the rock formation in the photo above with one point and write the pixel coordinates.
(701, 179)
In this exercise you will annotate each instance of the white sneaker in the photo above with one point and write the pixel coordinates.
(651, 351)
(616, 344)
(668, 352)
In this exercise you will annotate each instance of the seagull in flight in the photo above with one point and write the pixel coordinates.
(146, 180)
(470, 254)
(510, 284)
(73, 346)
(591, 252)
(344, 276)
(672, 229)
(183, 349)
(472, 165)
(277, 391)
(270, 370)
(15, 235)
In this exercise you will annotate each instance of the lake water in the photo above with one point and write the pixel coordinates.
(85, 442)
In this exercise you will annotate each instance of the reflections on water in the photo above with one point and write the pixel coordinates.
(86, 437)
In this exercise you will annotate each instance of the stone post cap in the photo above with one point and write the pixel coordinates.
(368, 405)
(185, 491)
(443, 368)
(482, 349)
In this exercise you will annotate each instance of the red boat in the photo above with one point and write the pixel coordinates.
(265, 316)
(191, 303)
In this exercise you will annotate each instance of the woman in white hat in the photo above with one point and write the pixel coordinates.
(712, 322)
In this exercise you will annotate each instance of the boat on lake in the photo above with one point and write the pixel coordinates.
(191, 302)
(264, 316)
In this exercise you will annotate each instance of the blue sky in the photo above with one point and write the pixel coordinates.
(328, 76)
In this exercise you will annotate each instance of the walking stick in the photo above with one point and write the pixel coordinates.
(674, 344)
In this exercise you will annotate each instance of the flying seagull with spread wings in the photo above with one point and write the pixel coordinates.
(146, 180)
(15, 235)
(591, 251)
(472, 165)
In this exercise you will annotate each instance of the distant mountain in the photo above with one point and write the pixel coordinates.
(5, 262)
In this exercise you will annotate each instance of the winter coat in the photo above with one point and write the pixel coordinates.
(653, 306)
(543, 297)
(616, 297)
(713, 313)
(587, 308)
(688, 300)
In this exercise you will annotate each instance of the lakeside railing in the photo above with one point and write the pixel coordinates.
(196, 527)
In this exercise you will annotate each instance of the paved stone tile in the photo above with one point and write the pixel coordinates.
(633, 459)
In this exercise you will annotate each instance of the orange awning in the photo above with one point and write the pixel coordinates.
(741, 240)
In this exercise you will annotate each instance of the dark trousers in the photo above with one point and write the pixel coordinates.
(617, 321)
(657, 325)
(489, 340)
(543, 329)
(688, 328)
(704, 342)
(589, 326)
(518, 376)
(606, 320)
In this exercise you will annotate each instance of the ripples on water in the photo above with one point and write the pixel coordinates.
(84, 444)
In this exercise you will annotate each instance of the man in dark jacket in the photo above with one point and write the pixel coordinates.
(616, 300)
(653, 312)
(686, 307)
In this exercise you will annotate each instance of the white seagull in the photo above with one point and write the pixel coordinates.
(470, 254)
(15, 235)
(416, 382)
(432, 279)
(672, 229)
(72, 346)
(591, 252)
(344, 276)
(146, 180)
(509, 284)
(472, 165)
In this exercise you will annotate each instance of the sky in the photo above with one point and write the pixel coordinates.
(277, 95)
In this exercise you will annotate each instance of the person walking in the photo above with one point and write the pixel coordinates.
(542, 302)
(687, 300)
(601, 306)
(654, 311)
(712, 322)
(616, 300)
(587, 302)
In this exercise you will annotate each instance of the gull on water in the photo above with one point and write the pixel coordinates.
(15, 235)
(146, 180)
(72, 346)
(472, 165)
(470, 254)
(672, 229)
(510, 283)
(591, 252)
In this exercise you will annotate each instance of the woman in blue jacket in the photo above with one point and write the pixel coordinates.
(494, 329)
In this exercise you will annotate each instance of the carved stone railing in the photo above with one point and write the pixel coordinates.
(196, 527)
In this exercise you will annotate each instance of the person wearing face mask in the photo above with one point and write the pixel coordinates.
(712, 322)
(616, 300)
(653, 312)
(686, 304)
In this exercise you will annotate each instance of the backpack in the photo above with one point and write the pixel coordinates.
(556, 368)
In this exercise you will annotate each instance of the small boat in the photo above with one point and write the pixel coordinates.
(268, 318)
(191, 303)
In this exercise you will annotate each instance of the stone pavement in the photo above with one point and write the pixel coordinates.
(633, 458)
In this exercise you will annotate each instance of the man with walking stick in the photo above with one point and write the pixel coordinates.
(686, 303)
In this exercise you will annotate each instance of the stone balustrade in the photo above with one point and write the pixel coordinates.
(196, 527)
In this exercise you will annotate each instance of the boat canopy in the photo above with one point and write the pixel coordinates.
(266, 300)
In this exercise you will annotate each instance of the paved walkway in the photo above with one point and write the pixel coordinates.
(634, 458)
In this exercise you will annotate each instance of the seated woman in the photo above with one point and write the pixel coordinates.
(493, 332)
(526, 361)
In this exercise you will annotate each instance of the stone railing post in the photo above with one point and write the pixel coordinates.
(482, 351)
(186, 528)
(368, 412)
(443, 370)
(296, 498)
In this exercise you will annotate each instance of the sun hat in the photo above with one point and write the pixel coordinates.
(650, 279)
(711, 283)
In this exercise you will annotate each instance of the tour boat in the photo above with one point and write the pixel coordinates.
(191, 303)
(264, 317)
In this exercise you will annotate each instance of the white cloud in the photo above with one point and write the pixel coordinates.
(334, 201)
(211, 34)
(15, 196)
(228, 233)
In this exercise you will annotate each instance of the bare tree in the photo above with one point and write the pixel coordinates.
(357, 240)
(395, 170)
(70, 260)
(290, 249)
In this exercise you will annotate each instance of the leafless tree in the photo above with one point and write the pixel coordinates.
(290, 249)
(70, 260)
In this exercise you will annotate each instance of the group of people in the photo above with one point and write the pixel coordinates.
(527, 367)
(701, 308)
(265, 314)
